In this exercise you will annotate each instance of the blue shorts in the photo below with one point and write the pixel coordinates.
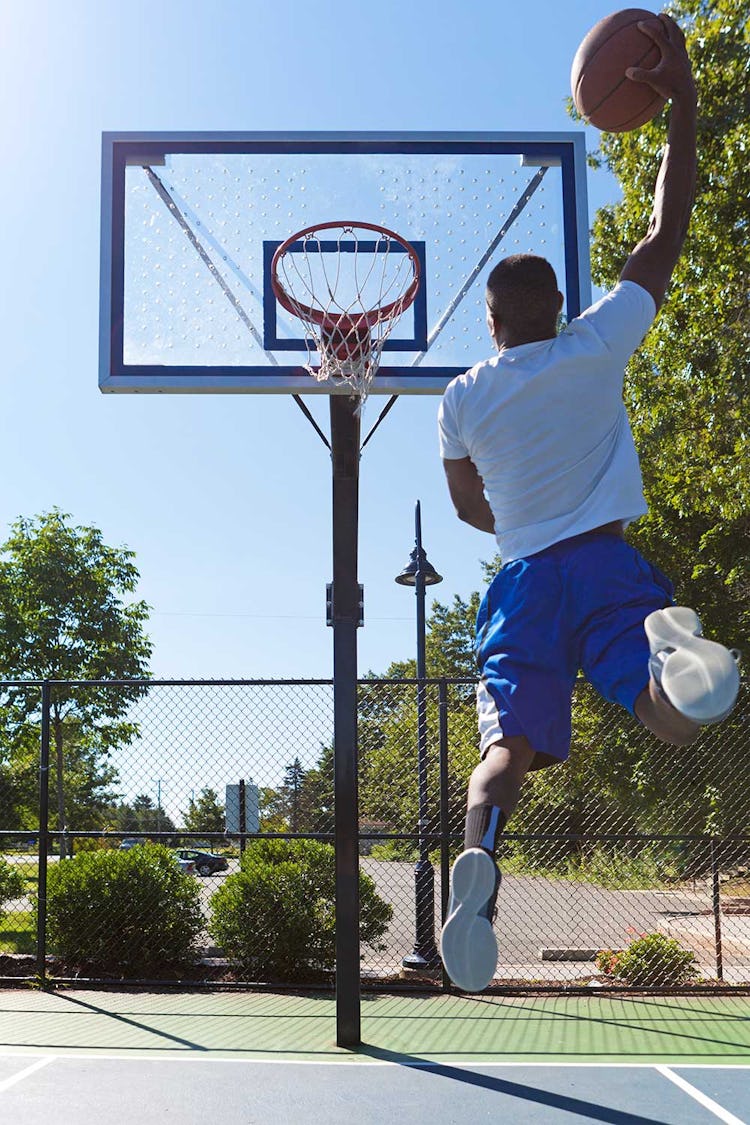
(579, 604)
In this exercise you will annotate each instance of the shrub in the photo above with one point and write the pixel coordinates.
(652, 960)
(12, 884)
(276, 916)
(397, 851)
(133, 911)
(93, 843)
(606, 961)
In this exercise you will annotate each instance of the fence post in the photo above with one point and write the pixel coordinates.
(444, 812)
(43, 845)
(243, 815)
(716, 905)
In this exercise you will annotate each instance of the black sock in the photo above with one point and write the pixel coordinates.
(484, 825)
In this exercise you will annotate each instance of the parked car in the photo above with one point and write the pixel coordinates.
(206, 863)
(128, 843)
(187, 866)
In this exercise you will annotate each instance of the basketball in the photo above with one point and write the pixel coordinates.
(601, 92)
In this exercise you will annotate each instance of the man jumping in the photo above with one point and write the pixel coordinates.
(538, 451)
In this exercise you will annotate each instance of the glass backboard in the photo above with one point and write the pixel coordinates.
(190, 223)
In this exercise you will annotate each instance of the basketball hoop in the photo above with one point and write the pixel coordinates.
(349, 290)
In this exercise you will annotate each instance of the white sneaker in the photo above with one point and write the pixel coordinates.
(467, 944)
(699, 678)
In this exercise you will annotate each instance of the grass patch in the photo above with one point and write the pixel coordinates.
(18, 932)
(613, 869)
(650, 868)
(400, 851)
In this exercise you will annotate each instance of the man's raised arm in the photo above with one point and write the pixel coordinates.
(654, 258)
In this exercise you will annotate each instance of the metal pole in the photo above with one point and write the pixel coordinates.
(424, 954)
(345, 451)
(716, 905)
(43, 846)
(445, 827)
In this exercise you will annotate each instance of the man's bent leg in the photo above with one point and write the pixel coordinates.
(498, 778)
(698, 677)
(694, 681)
(661, 718)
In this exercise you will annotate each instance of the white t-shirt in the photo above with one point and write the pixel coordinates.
(547, 430)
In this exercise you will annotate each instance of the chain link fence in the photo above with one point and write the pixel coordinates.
(190, 836)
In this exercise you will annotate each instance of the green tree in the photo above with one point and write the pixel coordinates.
(64, 618)
(142, 816)
(272, 810)
(449, 642)
(687, 388)
(388, 726)
(294, 776)
(316, 795)
(206, 814)
(89, 777)
(687, 396)
(19, 774)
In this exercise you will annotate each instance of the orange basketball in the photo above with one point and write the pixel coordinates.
(601, 92)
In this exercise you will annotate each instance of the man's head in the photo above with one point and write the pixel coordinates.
(523, 301)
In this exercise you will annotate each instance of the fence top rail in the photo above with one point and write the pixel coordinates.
(434, 680)
(187, 833)
(7, 684)
(581, 837)
(163, 683)
(285, 682)
(181, 833)
(267, 682)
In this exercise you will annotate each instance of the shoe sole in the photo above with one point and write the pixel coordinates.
(700, 678)
(467, 944)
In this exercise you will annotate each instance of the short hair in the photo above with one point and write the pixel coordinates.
(522, 294)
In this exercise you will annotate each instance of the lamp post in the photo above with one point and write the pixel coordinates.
(419, 573)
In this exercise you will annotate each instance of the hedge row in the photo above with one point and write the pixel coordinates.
(135, 912)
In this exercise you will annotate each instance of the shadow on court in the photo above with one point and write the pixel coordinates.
(523, 1092)
(130, 1022)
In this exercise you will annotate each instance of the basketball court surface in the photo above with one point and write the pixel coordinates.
(79, 1056)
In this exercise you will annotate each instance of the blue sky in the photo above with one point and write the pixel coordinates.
(226, 500)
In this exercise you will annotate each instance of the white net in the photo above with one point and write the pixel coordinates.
(349, 284)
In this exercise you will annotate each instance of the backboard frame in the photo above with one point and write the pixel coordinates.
(122, 149)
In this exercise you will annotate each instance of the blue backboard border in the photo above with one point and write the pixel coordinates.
(417, 342)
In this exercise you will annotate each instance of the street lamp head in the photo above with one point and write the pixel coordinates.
(408, 576)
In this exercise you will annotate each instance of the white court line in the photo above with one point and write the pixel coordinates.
(700, 1097)
(195, 1059)
(8, 1082)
